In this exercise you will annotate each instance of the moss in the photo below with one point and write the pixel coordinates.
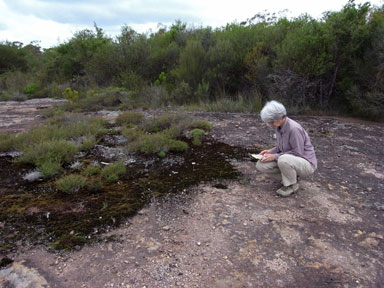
(68, 242)
(37, 214)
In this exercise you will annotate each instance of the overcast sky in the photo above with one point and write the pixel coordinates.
(55, 21)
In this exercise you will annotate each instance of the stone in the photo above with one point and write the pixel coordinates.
(166, 228)
(33, 176)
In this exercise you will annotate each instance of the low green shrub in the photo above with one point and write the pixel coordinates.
(88, 143)
(112, 172)
(91, 170)
(7, 142)
(162, 122)
(129, 117)
(155, 143)
(149, 144)
(49, 169)
(197, 135)
(201, 124)
(70, 184)
(30, 89)
(131, 134)
(161, 154)
(56, 151)
(177, 146)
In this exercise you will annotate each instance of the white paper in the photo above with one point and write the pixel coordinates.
(257, 156)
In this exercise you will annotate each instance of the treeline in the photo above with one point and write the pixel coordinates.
(335, 63)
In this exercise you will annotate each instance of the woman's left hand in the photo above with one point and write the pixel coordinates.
(268, 158)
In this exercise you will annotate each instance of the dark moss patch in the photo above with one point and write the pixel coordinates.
(37, 213)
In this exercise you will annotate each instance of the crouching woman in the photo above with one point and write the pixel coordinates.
(293, 155)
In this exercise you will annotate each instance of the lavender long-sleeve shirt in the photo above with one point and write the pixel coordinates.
(293, 139)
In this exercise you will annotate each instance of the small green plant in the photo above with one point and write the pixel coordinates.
(131, 133)
(177, 146)
(6, 142)
(197, 135)
(56, 151)
(112, 172)
(201, 124)
(71, 95)
(49, 169)
(162, 122)
(91, 170)
(161, 154)
(95, 185)
(88, 143)
(70, 184)
(30, 89)
(162, 80)
(129, 117)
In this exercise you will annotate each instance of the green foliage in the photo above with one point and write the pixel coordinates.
(49, 169)
(304, 62)
(112, 172)
(12, 57)
(161, 154)
(155, 143)
(88, 143)
(201, 124)
(192, 64)
(162, 122)
(71, 184)
(91, 170)
(131, 133)
(6, 142)
(55, 151)
(197, 135)
(30, 89)
(71, 95)
(129, 118)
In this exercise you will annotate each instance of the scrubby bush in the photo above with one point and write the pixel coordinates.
(132, 133)
(129, 117)
(201, 124)
(197, 135)
(6, 142)
(88, 143)
(112, 172)
(177, 146)
(70, 184)
(163, 122)
(91, 170)
(56, 151)
(49, 169)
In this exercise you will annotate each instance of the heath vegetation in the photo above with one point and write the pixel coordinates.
(329, 65)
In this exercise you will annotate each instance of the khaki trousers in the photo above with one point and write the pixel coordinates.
(289, 166)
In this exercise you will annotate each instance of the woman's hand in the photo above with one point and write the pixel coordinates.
(265, 152)
(268, 157)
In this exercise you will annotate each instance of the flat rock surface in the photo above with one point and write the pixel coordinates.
(329, 234)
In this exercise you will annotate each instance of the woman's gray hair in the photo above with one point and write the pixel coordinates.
(273, 111)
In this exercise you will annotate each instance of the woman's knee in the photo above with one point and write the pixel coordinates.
(284, 161)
